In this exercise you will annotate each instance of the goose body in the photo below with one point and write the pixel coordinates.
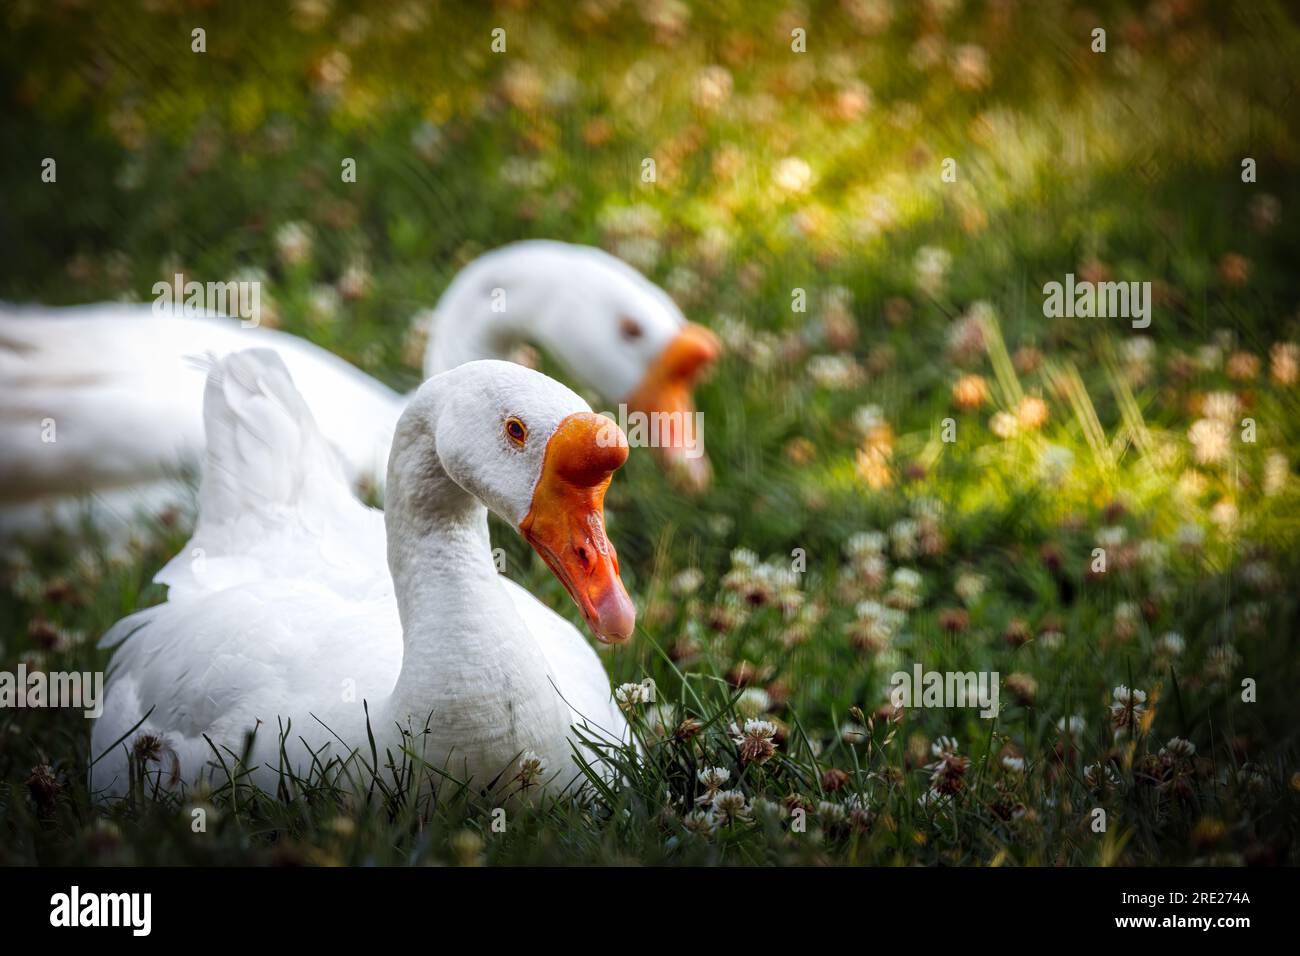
(296, 605)
(123, 389)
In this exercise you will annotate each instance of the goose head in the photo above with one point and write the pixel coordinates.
(668, 388)
(609, 326)
(634, 345)
(535, 454)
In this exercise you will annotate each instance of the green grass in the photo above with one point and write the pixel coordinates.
(1068, 161)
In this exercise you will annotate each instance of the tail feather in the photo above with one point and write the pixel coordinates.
(264, 450)
(273, 488)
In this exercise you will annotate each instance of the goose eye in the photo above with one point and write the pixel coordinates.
(516, 431)
(630, 328)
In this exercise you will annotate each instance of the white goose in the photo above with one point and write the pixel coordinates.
(305, 603)
(118, 389)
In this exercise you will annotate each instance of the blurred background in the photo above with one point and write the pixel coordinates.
(795, 146)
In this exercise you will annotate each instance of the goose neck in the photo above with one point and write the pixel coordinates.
(469, 662)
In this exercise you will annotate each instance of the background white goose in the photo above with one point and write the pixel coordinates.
(123, 389)
(291, 612)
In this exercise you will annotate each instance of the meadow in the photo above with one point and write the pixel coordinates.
(914, 464)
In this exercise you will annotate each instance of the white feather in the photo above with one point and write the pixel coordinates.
(283, 609)
(121, 384)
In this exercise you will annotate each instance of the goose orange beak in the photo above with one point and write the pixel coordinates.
(566, 521)
(668, 389)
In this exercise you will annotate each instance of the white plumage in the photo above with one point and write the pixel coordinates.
(295, 603)
(123, 389)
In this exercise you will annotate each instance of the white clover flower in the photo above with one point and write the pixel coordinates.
(1192, 484)
(416, 340)
(903, 535)
(1013, 764)
(793, 175)
(1138, 349)
(700, 823)
(1211, 441)
(866, 544)
(756, 741)
(687, 581)
(831, 813)
(907, 579)
(644, 252)
(927, 507)
(293, 242)
(713, 778)
(729, 805)
(1222, 406)
(872, 569)
(1051, 639)
(712, 87)
(1209, 357)
(933, 799)
(1178, 748)
(877, 623)
(1003, 424)
(323, 304)
(931, 266)
(969, 586)
(970, 67)
(86, 565)
(660, 720)
(1284, 363)
(906, 590)
(927, 52)
(944, 746)
(531, 768)
(1252, 778)
(1220, 662)
(1112, 536)
(1128, 697)
(753, 702)
(356, 280)
(1224, 514)
(867, 418)
(1171, 643)
(627, 696)
(779, 576)
(834, 372)
(1127, 613)
(1276, 473)
(1099, 776)
(520, 172)
(1071, 726)
(1127, 709)
(857, 801)
(754, 728)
